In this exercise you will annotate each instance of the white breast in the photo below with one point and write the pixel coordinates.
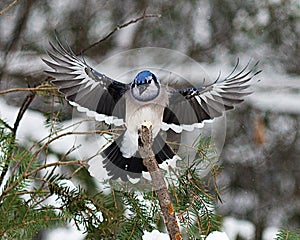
(138, 112)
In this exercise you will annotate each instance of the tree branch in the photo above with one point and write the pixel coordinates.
(118, 27)
(9, 7)
(159, 184)
(35, 89)
(27, 101)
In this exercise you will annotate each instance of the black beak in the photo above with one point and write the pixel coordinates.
(142, 88)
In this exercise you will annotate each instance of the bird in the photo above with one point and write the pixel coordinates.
(145, 98)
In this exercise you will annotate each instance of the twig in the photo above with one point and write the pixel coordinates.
(21, 112)
(118, 27)
(9, 7)
(159, 184)
(36, 89)
(54, 164)
(29, 98)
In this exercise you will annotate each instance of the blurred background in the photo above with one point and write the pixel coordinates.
(260, 178)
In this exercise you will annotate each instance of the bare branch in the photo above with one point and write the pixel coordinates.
(21, 112)
(36, 89)
(159, 184)
(58, 163)
(9, 7)
(29, 98)
(118, 27)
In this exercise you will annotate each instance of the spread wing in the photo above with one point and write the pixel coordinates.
(90, 91)
(189, 107)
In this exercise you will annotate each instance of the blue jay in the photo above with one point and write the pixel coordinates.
(144, 99)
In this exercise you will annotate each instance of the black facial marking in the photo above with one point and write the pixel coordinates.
(154, 78)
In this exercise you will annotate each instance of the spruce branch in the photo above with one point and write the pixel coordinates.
(159, 184)
(285, 234)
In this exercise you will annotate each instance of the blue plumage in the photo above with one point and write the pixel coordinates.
(143, 77)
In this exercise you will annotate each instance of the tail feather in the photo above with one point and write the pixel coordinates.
(162, 150)
(119, 166)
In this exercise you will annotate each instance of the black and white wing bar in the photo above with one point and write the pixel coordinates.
(90, 91)
(190, 106)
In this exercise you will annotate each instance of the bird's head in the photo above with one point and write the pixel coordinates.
(145, 87)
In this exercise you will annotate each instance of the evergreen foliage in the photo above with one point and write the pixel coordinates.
(34, 197)
(288, 235)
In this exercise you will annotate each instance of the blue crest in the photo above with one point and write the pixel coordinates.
(144, 76)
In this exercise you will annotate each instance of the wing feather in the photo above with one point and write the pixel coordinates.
(191, 106)
(84, 87)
